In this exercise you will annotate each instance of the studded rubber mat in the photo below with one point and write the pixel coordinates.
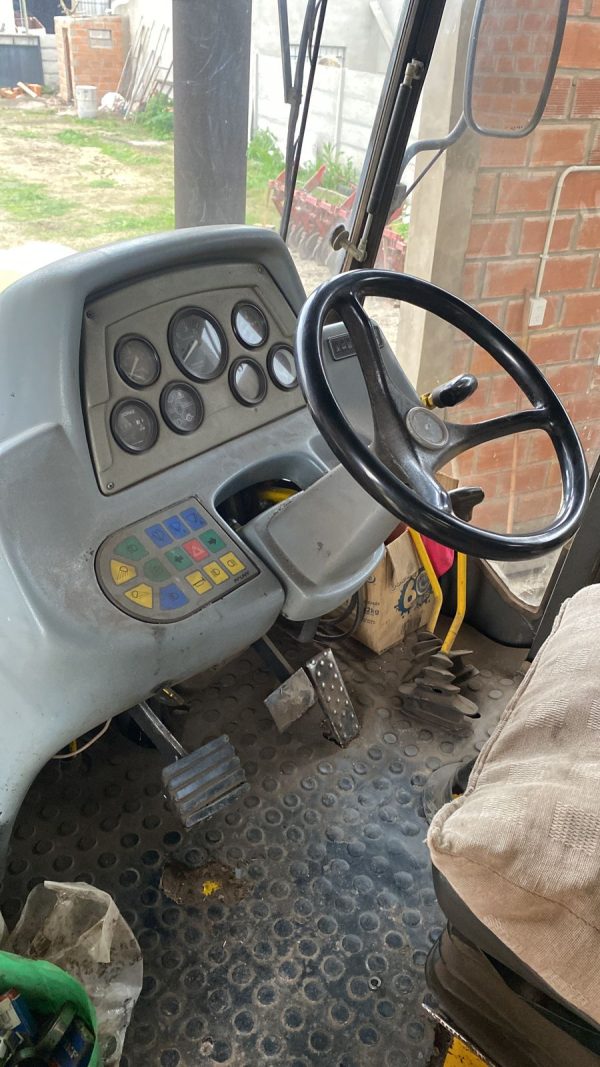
(302, 936)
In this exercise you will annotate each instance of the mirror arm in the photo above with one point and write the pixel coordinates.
(433, 144)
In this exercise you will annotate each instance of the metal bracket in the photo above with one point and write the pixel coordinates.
(291, 699)
(342, 723)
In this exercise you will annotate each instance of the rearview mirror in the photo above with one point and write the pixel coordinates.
(512, 59)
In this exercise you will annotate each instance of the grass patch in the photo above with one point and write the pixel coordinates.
(30, 201)
(123, 153)
(102, 183)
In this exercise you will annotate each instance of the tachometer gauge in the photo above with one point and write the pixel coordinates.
(134, 425)
(181, 407)
(197, 344)
(137, 361)
(248, 382)
(250, 325)
(282, 367)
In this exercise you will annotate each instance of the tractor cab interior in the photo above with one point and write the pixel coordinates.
(204, 458)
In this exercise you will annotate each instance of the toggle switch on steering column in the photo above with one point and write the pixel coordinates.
(451, 393)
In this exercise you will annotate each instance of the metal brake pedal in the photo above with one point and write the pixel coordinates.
(197, 784)
(340, 717)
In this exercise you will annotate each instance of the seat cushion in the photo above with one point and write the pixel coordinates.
(521, 847)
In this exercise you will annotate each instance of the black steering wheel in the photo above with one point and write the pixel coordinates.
(410, 442)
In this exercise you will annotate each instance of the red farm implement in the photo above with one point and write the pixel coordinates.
(317, 210)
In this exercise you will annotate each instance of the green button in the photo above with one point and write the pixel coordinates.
(213, 542)
(155, 570)
(179, 559)
(131, 548)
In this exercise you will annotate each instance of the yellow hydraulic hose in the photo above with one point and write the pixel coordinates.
(275, 496)
(461, 601)
(436, 588)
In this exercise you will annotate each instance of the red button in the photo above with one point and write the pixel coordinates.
(195, 550)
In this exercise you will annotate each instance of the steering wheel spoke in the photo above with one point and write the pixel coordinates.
(462, 437)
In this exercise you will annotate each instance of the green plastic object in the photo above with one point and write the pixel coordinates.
(46, 988)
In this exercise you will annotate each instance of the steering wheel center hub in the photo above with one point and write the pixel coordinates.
(426, 428)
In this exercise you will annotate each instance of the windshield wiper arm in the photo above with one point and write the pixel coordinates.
(286, 57)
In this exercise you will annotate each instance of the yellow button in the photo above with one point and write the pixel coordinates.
(141, 594)
(215, 573)
(121, 572)
(198, 582)
(233, 564)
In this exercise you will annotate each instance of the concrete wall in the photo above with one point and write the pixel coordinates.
(7, 17)
(49, 60)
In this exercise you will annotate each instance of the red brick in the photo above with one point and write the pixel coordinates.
(554, 145)
(558, 101)
(587, 98)
(531, 191)
(533, 234)
(570, 378)
(567, 272)
(484, 197)
(588, 346)
(492, 514)
(504, 393)
(515, 319)
(510, 279)
(589, 232)
(490, 239)
(483, 365)
(584, 407)
(590, 439)
(555, 347)
(497, 455)
(581, 309)
(540, 447)
(537, 507)
(471, 280)
(496, 152)
(581, 46)
(595, 9)
(493, 310)
(581, 191)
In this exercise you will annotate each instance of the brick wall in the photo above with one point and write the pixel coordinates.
(91, 51)
(515, 186)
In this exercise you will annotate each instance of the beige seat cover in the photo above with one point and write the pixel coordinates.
(522, 846)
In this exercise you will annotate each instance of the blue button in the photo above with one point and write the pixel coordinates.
(171, 597)
(193, 518)
(176, 526)
(159, 535)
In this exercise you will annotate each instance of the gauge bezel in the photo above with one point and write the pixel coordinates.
(261, 374)
(246, 344)
(270, 360)
(163, 403)
(117, 439)
(122, 375)
(179, 314)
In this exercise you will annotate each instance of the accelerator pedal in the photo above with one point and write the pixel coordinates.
(204, 782)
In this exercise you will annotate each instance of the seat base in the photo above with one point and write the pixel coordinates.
(503, 1023)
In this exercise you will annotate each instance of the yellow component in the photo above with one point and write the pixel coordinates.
(275, 496)
(461, 602)
(141, 595)
(121, 572)
(436, 588)
(73, 747)
(426, 400)
(208, 888)
(233, 564)
(215, 573)
(458, 1055)
(199, 582)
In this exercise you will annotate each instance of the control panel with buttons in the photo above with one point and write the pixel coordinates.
(172, 564)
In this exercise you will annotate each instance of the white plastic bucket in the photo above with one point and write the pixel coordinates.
(87, 101)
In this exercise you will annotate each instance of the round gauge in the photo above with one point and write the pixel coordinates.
(248, 382)
(250, 325)
(197, 344)
(134, 425)
(282, 367)
(181, 407)
(137, 361)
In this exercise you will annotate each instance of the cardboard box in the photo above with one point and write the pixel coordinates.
(399, 597)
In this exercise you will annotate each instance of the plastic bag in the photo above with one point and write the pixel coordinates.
(80, 929)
